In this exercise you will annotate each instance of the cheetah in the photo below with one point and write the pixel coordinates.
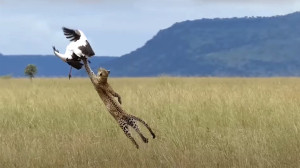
(107, 95)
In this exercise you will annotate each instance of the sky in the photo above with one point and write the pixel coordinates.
(113, 27)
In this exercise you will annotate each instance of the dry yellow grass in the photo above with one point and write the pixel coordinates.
(199, 122)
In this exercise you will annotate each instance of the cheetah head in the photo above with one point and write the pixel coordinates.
(103, 73)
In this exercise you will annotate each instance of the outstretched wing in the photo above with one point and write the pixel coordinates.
(71, 34)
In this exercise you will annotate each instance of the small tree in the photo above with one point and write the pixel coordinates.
(30, 71)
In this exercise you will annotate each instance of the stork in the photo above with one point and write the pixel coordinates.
(78, 48)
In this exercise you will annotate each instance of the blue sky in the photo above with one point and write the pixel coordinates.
(113, 27)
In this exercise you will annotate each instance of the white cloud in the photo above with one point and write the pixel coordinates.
(247, 1)
(114, 27)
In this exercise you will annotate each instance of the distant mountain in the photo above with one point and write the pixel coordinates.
(48, 66)
(250, 46)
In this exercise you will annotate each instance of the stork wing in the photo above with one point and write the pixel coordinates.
(87, 49)
(71, 34)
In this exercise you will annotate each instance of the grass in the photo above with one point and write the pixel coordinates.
(6, 77)
(199, 122)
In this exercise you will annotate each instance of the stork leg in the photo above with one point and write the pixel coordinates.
(70, 73)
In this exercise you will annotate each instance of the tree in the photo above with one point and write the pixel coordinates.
(30, 71)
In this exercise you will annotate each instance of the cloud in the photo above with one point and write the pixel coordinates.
(69, 2)
(114, 27)
(247, 1)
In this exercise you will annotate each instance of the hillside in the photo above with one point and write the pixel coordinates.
(258, 47)
(48, 66)
(262, 46)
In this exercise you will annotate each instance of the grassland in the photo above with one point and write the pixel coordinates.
(199, 122)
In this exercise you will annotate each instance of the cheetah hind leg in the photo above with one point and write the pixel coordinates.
(133, 124)
(124, 127)
(146, 125)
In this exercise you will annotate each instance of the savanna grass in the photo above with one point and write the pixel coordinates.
(199, 122)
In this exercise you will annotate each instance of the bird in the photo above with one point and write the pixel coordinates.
(78, 48)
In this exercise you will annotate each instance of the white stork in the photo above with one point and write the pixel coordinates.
(78, 48)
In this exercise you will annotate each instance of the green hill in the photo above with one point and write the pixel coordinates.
(260, 46)
(48, 66)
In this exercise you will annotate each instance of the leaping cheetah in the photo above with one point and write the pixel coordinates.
(107, 95)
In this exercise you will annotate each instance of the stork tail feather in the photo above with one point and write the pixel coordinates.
(75, 64)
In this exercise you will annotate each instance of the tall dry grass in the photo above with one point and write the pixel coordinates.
(199, 122)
